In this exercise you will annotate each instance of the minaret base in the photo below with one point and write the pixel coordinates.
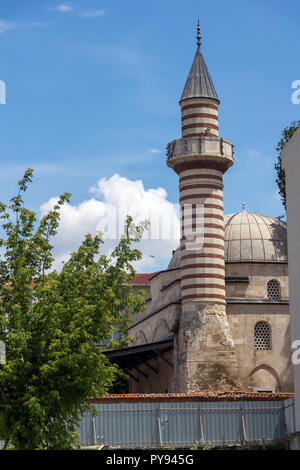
(206, 358)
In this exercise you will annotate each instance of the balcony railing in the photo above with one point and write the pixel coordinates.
(190, 146)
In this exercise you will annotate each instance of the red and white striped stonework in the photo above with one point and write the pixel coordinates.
(199, 117)
(202, 260)
(200, 158)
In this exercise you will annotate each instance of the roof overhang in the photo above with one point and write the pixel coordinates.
(131, 357)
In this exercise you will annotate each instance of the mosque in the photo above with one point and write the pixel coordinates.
(217, 318)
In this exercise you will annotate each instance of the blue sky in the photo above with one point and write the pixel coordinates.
(93, 89)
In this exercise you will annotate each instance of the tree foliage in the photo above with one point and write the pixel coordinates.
(52, 324)
(280, 180)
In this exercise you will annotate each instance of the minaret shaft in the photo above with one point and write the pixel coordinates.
(199, 117)
(206, 358)
(202, 267)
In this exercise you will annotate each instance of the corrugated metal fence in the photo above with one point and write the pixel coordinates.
(179, 424)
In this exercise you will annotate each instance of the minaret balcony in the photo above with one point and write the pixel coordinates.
(214, 150)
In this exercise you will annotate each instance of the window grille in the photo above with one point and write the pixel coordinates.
(262, 336)
(273, 290)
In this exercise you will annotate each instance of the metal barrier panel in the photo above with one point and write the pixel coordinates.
(185, 423)
(125, 425)
(264, 420)
(289, 412)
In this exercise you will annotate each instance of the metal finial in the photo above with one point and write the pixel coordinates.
(198, 35)
(244, 206)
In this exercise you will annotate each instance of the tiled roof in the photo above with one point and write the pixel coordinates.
(143, 278)
(195, 396)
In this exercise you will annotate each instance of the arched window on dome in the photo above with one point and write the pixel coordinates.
(262, 336)
(273, 289)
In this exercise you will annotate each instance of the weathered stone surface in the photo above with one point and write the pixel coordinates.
(206, 359)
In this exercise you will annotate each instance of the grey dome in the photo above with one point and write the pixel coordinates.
(254, 237)
(250, 237)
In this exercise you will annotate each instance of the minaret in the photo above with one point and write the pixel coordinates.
(206, 357)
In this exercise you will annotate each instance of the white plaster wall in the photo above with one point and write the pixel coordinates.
(291, 164)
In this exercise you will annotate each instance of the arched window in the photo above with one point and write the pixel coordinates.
(262, 336)
(273, 290)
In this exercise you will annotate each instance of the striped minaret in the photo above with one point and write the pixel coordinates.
(200, 158)
(202, 256)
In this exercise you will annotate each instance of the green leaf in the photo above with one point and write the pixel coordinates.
(53, 324)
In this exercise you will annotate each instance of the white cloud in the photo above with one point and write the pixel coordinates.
(92, 13)
(69, 8)
(64, 8)
(113, 199)
(154, 151)
(6, 26)
(253, 153)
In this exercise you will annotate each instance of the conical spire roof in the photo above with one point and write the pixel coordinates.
(199, 83)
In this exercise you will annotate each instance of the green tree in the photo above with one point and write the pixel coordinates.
(280, 180)
(53, 323)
